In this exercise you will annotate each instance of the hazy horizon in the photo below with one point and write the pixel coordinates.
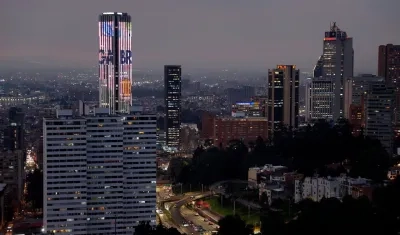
(232, 34)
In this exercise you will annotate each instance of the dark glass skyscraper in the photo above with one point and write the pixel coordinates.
(337, 64)
(283, 98)
(14, 132)
(172, 89)
(389, 68)
(115, 62)
(318, 68)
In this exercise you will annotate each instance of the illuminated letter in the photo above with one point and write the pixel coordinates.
(109, 57)
(128, 55)
(122, 57)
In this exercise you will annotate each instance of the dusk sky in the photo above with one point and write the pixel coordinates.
(242, 34)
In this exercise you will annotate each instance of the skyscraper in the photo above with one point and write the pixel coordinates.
(389, 68)
(172, 89)
(318, 68)
(99, 172)
(379, 114)
(389, 63)
(320, 99)
(115, 62)
(14, 133)
(337, 64)
(283, 97)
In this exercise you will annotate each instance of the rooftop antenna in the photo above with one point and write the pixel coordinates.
(334, 27)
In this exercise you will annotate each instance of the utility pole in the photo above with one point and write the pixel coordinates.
(201, 188)
(234, 207)
(248, 211)
(181, 189)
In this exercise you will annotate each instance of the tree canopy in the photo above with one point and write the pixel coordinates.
(308, 151)
(234, 225)
(144, 228)
(348, 216)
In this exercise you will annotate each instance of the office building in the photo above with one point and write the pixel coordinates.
(357, 118)
(317, 72)
(389, 63)
(14, 133)
(14, 137)
(115, 62)
(338, 64)
(248, 109)
(283, 98)
(172, 89)
(99, 172)
(12, 172)
(319, 99)
(360, 86)
(389, 68)
(379, 114)
(355, 91)
(16, 115)
(249, 91)
(221, 130)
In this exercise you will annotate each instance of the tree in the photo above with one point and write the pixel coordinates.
(144, 228)
(272, 223)
(234, 225)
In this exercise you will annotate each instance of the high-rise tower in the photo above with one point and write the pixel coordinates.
(338, 63)
(283, 98)
(172, 87)
(389, 68)
(115, 62)
(99, 172)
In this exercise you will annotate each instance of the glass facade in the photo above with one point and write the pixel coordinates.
(283, 97)
(115, 62)
(337, 64)
(172, 86)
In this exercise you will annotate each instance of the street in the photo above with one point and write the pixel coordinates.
(184, 219)
(197, 220)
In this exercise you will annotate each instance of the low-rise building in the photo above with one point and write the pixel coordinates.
(221, 130)
(266, 173)
(273, 181)
(393, 172)
(316, 188)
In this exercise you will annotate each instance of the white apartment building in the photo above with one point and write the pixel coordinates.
(99, 172)
(316, 188)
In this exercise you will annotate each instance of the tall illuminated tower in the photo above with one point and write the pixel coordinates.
(172, 87)
(337, 65)
(283, 98)
(115, 62)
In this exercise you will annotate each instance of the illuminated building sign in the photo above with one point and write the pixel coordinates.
(245, 103)
(107, 57)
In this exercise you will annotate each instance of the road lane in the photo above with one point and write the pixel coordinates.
(198, 220)
(178, 218)
(211, 215)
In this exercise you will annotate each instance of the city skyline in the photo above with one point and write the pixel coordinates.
(235, 35)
